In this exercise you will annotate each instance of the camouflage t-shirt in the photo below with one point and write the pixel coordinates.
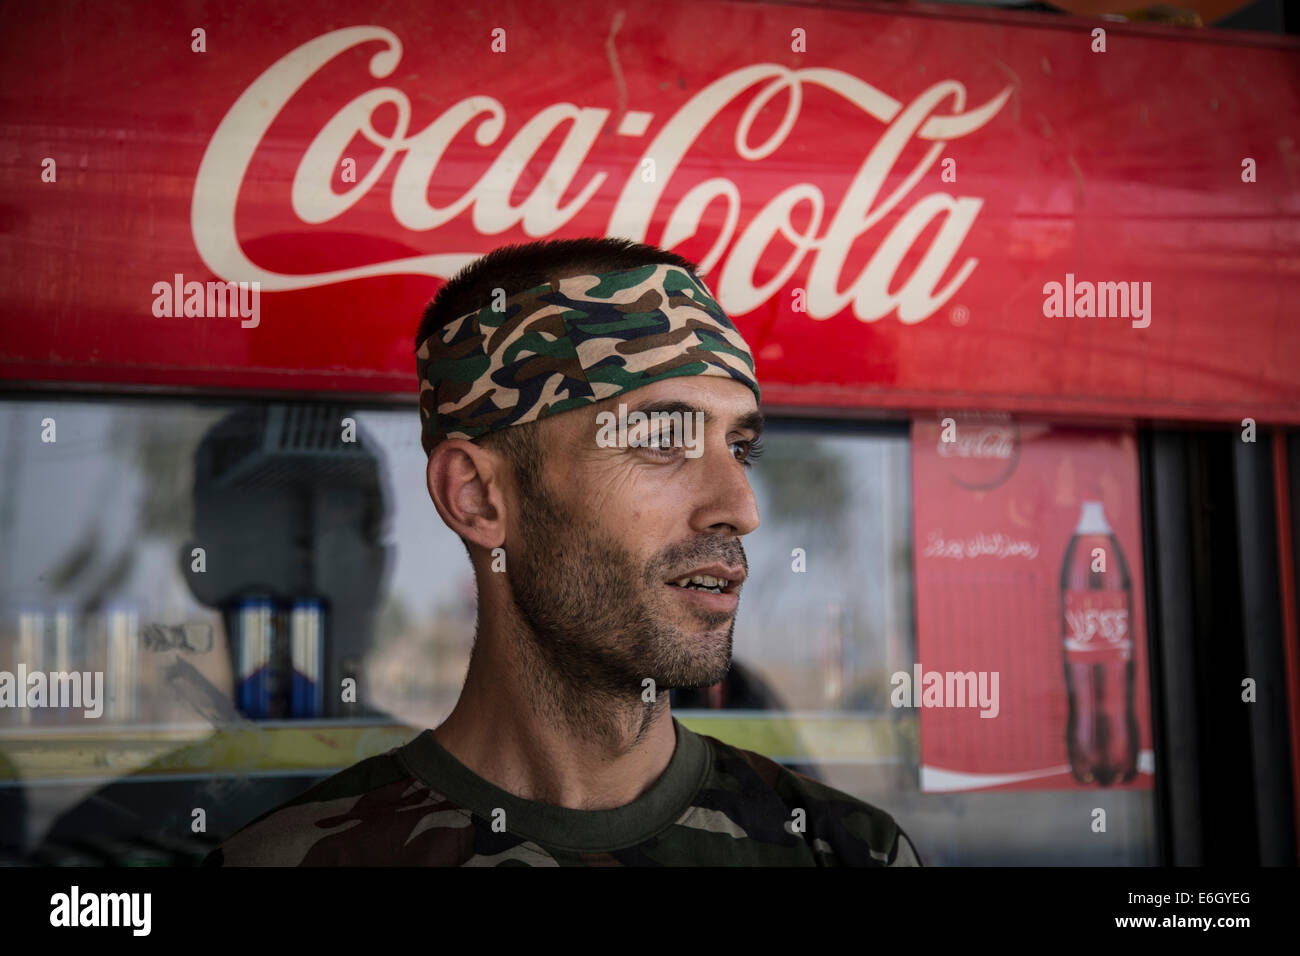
(714, 804)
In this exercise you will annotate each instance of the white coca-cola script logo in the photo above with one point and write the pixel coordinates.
(1085, 625)
(418, 155)
(984, 443)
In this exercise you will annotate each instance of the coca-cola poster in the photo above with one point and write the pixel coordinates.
(900, 208)
(1031, 664)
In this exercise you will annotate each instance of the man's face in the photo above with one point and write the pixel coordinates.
(598, 552)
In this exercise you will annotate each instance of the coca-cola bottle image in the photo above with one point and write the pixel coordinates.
(1096, 594)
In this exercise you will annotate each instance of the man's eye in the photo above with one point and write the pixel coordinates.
(659, 445)
(662, 439)
(751, 451)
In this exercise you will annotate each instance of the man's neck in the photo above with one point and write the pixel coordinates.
(526, 730)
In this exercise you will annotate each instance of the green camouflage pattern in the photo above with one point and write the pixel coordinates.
(574, 342)
(738, 811)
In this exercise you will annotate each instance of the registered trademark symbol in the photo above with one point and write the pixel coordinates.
(959, 315)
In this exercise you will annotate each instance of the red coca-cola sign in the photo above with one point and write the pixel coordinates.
(899, 210)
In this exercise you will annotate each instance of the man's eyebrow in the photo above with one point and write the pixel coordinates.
(753, 421)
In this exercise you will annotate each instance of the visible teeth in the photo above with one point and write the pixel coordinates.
(705, 581)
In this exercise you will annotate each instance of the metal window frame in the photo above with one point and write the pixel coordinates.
(1215, 592)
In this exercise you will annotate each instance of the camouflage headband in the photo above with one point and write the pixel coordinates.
(571, 343)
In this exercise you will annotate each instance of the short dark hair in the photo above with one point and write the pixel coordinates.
(521, 266)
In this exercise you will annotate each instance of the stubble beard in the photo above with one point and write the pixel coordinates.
(598, 622)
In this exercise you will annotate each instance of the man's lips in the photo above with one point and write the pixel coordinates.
(708, 600)
(725, 577)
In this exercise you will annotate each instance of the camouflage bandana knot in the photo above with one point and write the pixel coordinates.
(571, 343)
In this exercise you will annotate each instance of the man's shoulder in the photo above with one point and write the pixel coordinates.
(840, 827)
(341, 820)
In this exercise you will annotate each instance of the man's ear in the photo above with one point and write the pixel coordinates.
(467, 487)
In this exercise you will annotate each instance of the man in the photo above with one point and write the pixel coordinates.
(609, 569)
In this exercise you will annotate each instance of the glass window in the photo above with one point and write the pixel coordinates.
(229, 567)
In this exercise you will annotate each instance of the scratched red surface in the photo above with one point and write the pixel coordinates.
(1123, 166)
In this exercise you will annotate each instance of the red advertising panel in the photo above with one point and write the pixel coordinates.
(1031, 668)
(901, 211)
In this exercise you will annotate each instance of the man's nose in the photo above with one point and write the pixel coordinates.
(727, 498)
